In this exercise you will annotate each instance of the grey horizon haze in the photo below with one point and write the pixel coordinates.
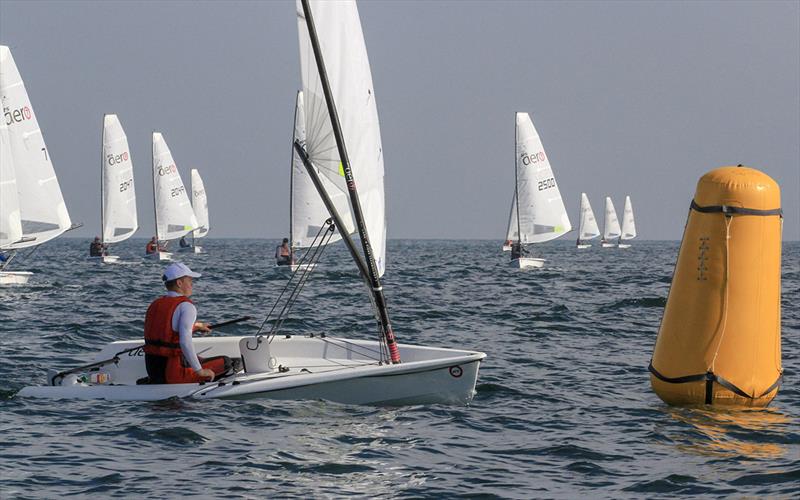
(628, 98)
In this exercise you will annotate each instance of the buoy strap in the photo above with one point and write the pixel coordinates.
(710, 377)
(731, 210)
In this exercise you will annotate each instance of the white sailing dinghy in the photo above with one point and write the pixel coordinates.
(307, 212)
(611, 228)
(628, 224)
(200, 207)
(118, 219)
(32, 208)
(541, 215)
(511, 231)
(587, 230)
(173, 211)
(336, 77)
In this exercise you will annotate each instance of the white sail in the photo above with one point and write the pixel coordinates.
(542, 215)
(119, 195)
(42, 209)
(511, 232)
(588, 225)
(308, 212)
(199, 204)
(628, 224)
(174, 214)
(10, 222)
(344, 55)
(610, 223)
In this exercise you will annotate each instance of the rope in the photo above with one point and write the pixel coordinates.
(724, 322)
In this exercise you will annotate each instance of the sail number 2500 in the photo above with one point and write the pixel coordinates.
(547, 184)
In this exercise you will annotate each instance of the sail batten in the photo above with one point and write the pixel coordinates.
(42, 212)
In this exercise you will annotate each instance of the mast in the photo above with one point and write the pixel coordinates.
(516, 184)
(372, 276)
(580, 220)
(102, 185)
(153, 177)
(191, 189)
(291, 175)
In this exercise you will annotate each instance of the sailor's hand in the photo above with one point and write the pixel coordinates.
(206, 374)
(201, 327)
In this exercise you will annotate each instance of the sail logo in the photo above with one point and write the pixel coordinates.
(172, 169)
(117, 159)
(531, 159)
(199, 192)
(18, 115)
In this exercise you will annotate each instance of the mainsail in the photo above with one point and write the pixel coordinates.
(610, 223)
(541, 211)
(174, 214)
(119, 196)
(199, 204)
(628, 224)
(588, 226)
(308, 212)
(42, 211)
(344, 53)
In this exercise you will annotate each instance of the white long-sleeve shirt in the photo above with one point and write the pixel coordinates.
(183, 320)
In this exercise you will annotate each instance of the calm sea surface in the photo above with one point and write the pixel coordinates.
(563, 408)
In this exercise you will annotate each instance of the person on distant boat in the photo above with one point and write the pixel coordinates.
(153, 246)
(169, 356)
(96, 248)
(283, 254)
(183, 243)
(518, 251)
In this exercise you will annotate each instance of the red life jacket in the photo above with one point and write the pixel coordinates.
(159, 337)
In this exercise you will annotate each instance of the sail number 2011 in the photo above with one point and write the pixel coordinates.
(547, 184)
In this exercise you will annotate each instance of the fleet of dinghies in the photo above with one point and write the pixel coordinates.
(342, 144)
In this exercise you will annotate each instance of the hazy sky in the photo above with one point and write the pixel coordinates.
(636, 98)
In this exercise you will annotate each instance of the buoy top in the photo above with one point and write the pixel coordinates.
(740, 186)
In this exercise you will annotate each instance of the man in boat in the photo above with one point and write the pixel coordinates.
(518, 251)
(96, 248)
(183, 243)
(153, 246)
(169, 356)
(283, 254)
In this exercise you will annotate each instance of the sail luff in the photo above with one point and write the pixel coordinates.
(10, 222)
(355, 203)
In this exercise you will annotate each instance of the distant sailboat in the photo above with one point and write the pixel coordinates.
(540, 212)
(32, 208)
(200, 207)
(588, 229)
(118, 219)
(628, 224)
(173, 212)
(611, 228)
(511, 232)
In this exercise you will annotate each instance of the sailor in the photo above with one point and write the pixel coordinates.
(283, 254)
(183, 243)
(153, 246)
(169, 352)
(517, 251)
(96, 248)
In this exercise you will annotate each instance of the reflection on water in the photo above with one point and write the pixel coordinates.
(730, 432)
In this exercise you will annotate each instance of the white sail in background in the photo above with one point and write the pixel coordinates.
(199, 204)
(41, 204)
(588, 225)
(611, 228)
(512, 233)
(119, 195)
(308, 212)
(174, 214)
(344, 54)
(542, 215)
(628, 224)
(10, 222)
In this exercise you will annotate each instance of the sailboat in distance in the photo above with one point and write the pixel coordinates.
(587, 228)
(628, 224)
(540, 212)
(200, 208)
(32, 208)
(118, 219)
(611, 228)
(173, 211)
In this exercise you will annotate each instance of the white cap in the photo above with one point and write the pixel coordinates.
(178, 270)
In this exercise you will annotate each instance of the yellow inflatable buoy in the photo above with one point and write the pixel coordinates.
(720, 338)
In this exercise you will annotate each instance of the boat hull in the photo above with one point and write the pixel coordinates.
(14, 277)
(609, 245)
(313, 368)
(506, 248)
(192, 249)
(294, 267)
(105, 259)
(527, 263)
(583, 245)
(623, 245)
(165, 256)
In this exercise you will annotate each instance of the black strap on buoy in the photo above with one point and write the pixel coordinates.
(710, 378)
(730, 210)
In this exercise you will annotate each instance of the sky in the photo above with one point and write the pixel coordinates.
(629, 98)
